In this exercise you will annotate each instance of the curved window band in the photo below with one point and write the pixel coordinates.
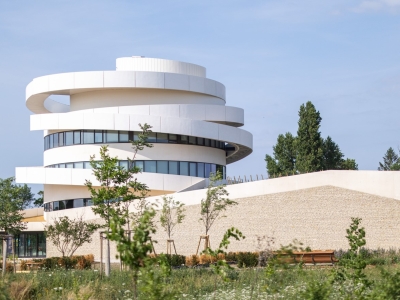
(79, 137)
(186, 168)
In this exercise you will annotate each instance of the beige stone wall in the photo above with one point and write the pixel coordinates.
(317, 216)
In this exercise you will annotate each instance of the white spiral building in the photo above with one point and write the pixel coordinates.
(194, 132)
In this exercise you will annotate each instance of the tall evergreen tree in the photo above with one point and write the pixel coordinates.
(391, 161)
(333, 157)
(309, 142)
(283, 160)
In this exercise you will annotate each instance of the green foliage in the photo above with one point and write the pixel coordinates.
(308, 151)
(283, 160)
(221, 267)
(70, 234)
(38, 202)
(176, 260)
(172, 214)
(388, 287)
(247, 259)
(13, 199)
(216, 202)
(391, 161)
(309, 141)
(353, 265)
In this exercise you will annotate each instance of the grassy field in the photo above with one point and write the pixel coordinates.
(191, 283)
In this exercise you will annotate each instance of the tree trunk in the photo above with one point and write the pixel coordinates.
(4, 255)
(108, 260)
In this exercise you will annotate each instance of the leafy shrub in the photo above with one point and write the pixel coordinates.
(247, 259)
(79, 262)
(9, 267)
(23, 265)
(231, 256)
(176, 260)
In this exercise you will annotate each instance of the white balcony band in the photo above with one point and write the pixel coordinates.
(41, 88)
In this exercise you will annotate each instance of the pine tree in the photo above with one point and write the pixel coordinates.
(309, 142)
(391, 161)
(333, 157)
(283, 160)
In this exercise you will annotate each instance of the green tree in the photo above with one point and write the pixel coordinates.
(38, 202)
(333, 157)
(134, 251)
(283, 161)
(391, 161)
(68, 235)
(118, 186)
(216, 202)
(13, 199)
(172, 214)
(309, 142)
(348, 164)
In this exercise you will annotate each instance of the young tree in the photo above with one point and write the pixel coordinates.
(118, 186)
(283, 161)
(13, 199)
(333, 157)
(172, 214)
(391, 161)
(216, 202)
(310, 144)
(68, 235)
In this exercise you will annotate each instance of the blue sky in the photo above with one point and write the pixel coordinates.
(272, 56)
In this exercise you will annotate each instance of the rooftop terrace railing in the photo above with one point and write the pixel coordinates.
(234, 180)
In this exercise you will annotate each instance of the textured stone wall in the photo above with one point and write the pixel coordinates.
(318, 217)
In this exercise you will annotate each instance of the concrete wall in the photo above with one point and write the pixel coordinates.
(316, 216)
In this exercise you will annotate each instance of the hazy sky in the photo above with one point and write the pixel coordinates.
(272, 56)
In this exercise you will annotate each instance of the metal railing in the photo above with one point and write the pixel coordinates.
(234, 180)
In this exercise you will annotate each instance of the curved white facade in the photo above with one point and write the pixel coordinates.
(194, 132)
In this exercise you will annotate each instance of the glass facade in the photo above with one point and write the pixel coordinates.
(27, 244)
(195, 169)
(77, 137)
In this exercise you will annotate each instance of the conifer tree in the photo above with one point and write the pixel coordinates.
(283, 161)
(310, 144)
(333, 157)
(391, 161)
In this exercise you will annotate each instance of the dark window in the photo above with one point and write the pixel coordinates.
(213, 168)
(173, 168)
(55, 140)
(123, 136)
(184, 168)
(200, 170)
(207, 170)
(124, 164)
(51, 141)
(200, 141)
(78, 165)
(77, 137)
(192, 169)
(56, 206)
(69, 204)
(139, 164)
(61, 139)
(88, 202)
(69, 138)
(152, 138)
(98, 136)
(162, 167)
(162, 138)
(192, 140)
(172, 138)
(184, 139)
(78, 203)
(61, 205)
(212, 143)
(112, 136)
(88, 137)
(150, 166)
(207, 142)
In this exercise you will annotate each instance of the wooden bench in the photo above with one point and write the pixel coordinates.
(313, 257)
